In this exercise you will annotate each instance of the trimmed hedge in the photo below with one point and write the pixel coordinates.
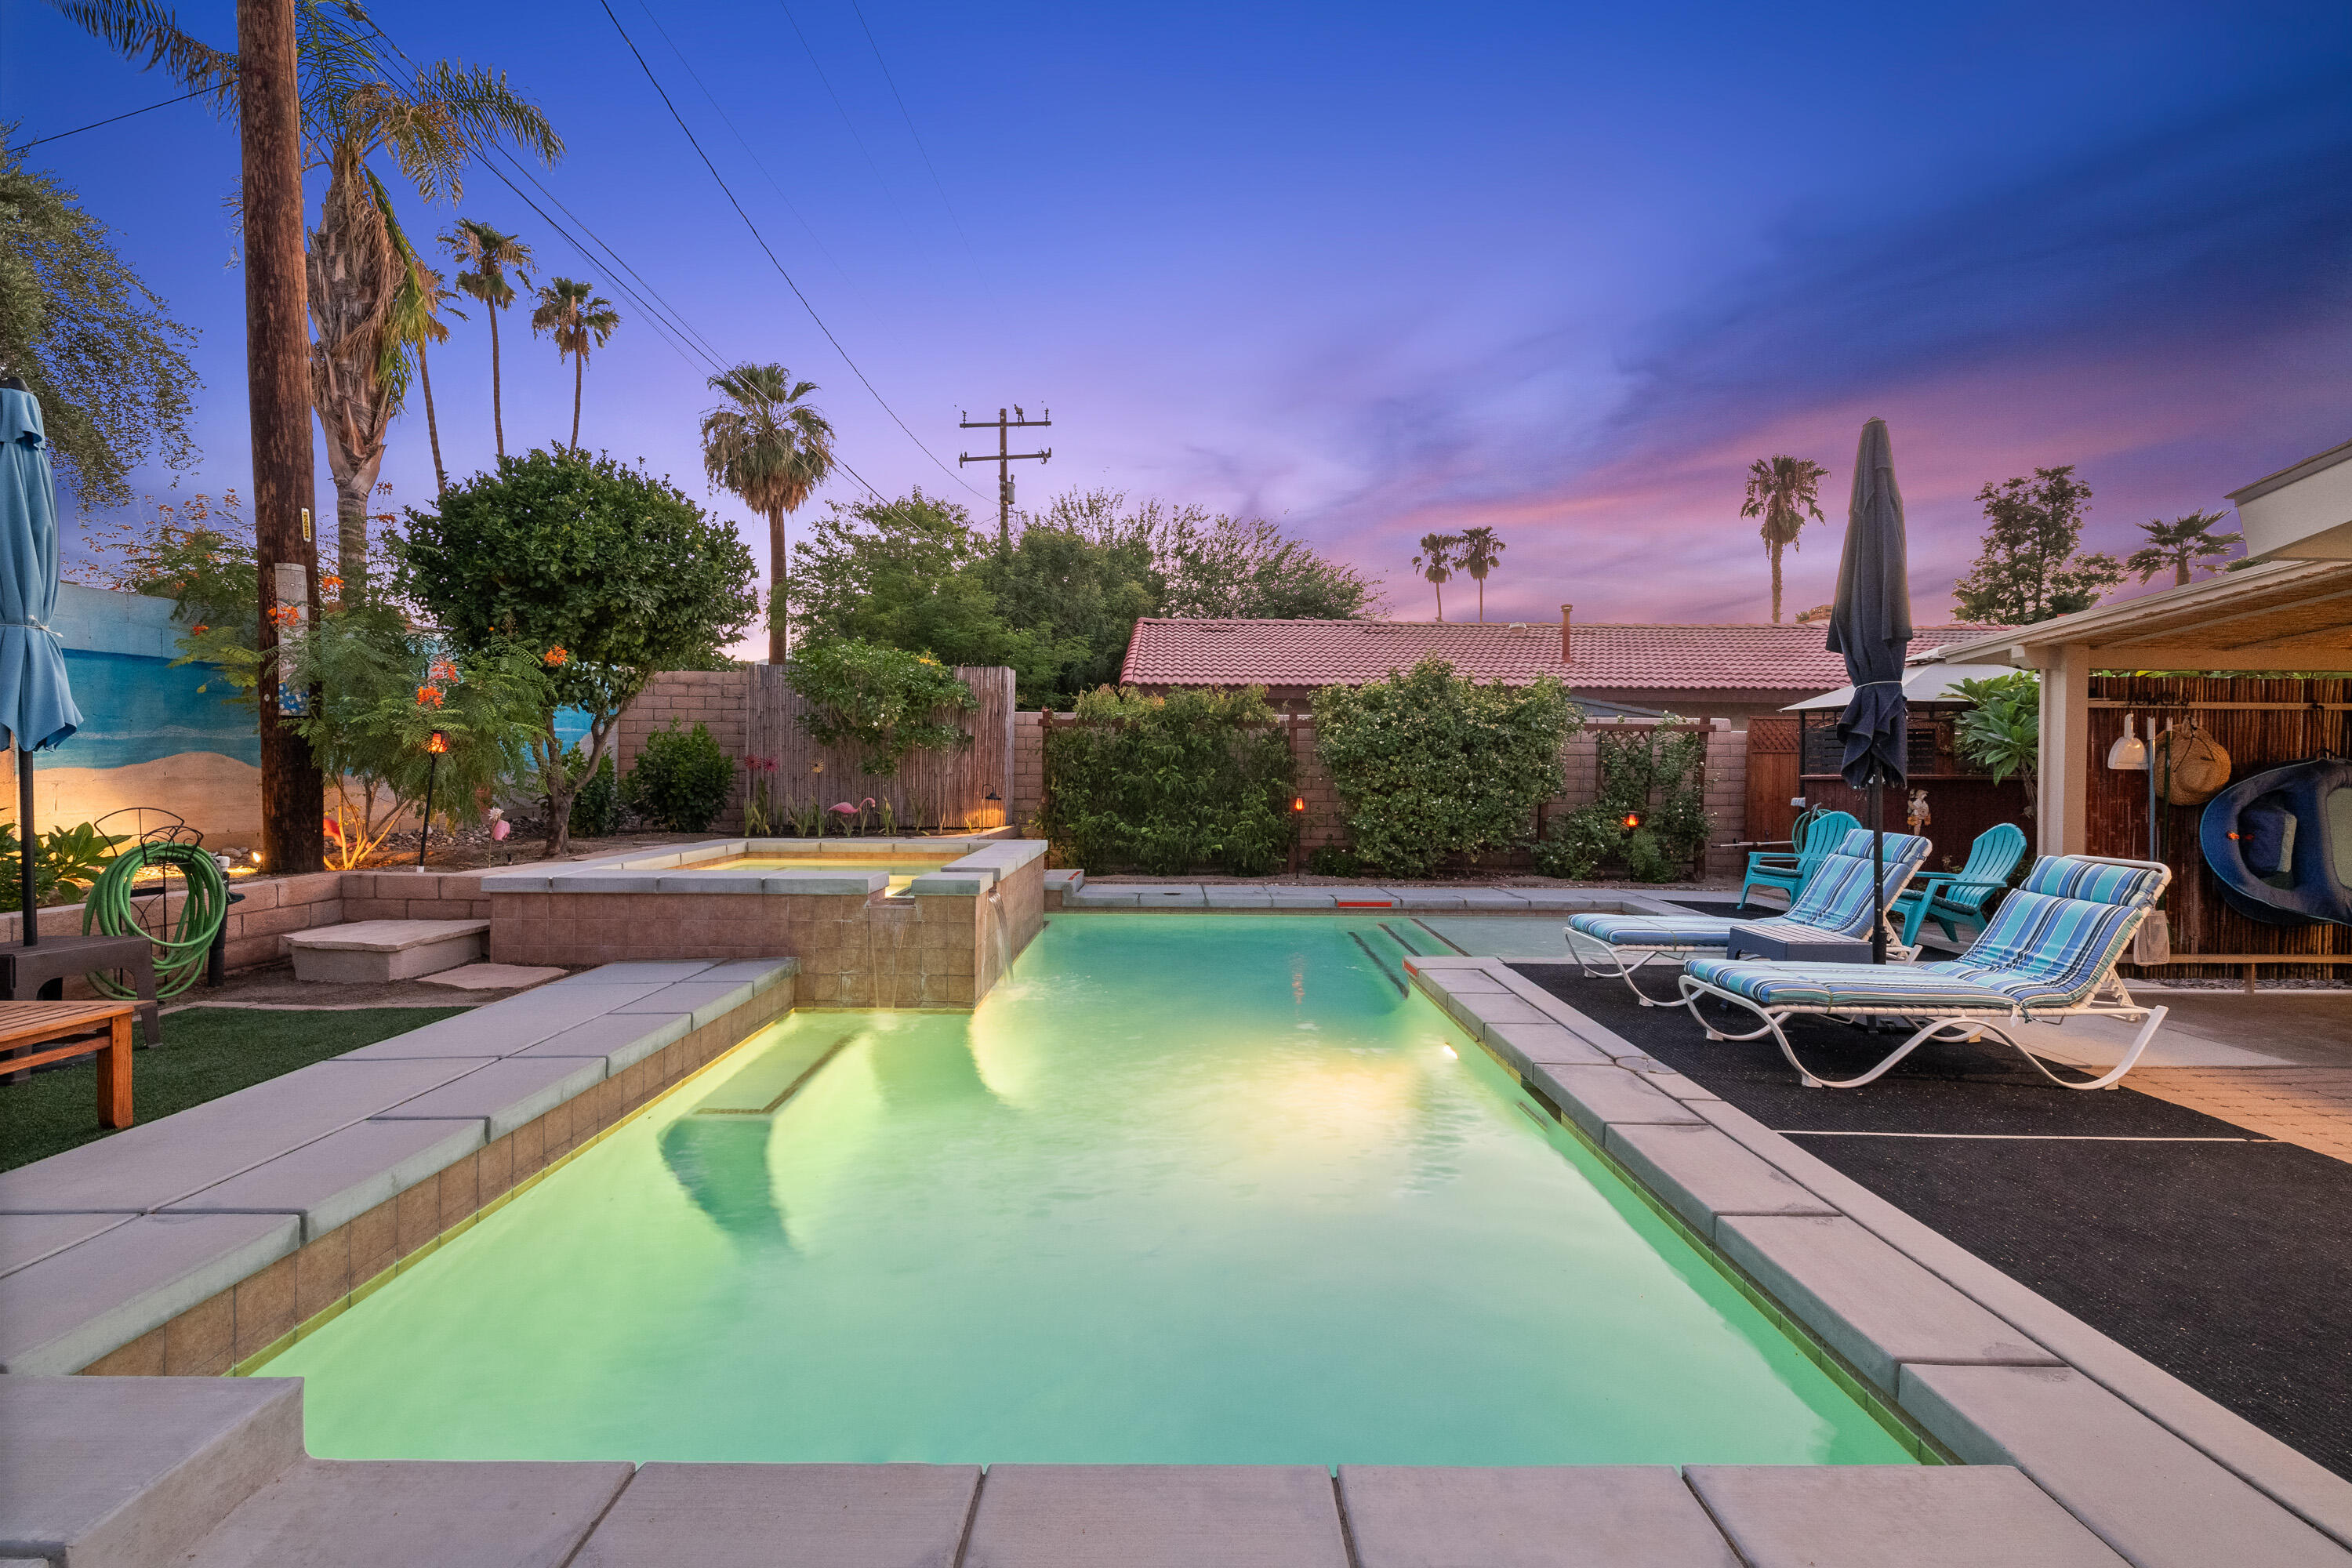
(1167, 785)
(1428, 763)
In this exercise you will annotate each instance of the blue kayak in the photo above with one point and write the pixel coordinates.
(2280, 843)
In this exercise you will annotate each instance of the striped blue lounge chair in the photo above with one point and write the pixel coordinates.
(2048, 953)
(1835, 899)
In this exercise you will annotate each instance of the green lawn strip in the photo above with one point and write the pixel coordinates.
(207, 1052)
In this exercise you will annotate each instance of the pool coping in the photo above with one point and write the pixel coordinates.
(2132, 1456)
(974, 863)
(1998, 1409)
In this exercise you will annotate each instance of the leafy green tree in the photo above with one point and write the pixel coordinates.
(578, 318)
(884, 701)
(2033, 567)
(908, 574)
(606, 573)
(1481, 553)
(1208, 566)
(1428, 763)
(2181, 545)
(484, 254)
(771, 447)
(1784, 492)
(2000, 731)
(1436, 562)
(90, 340)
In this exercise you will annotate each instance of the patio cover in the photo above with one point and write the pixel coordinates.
(2278, 616)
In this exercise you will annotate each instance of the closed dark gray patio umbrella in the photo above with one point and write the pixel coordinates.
(1870, 624)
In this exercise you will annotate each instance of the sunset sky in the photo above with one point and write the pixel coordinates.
(1378, 270)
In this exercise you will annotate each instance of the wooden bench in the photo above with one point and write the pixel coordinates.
(31, 1023)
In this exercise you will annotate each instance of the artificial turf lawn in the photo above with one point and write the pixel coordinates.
(207, 1052)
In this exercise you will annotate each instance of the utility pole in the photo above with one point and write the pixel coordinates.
(278, 375)
(1004, 459)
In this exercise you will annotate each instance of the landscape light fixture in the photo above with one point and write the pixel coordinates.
(1630, 821)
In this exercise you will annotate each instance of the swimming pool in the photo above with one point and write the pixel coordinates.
(1185, 1189)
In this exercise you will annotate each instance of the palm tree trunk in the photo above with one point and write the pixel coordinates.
(1774, 551)
(1439, 588)
(497, 418)
(1481, 601)
(579, 374)
(2180, 573)
(432, 424)
(779, 631)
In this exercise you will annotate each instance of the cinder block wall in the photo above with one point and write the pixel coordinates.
(713, 698)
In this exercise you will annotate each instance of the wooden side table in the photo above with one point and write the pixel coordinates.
(26, 1024)
(24, 971)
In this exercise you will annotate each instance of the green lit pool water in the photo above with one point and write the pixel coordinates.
(1183, 1190)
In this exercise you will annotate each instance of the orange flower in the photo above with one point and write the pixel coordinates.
(201, 629)
(428, 697)
(442, 670)
(284, 614)
(556, 658)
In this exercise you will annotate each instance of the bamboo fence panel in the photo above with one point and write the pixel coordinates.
(948, 789)
(2257, 739)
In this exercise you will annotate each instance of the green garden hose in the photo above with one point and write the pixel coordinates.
(181, 945)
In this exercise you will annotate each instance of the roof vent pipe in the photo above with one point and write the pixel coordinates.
(1565, 610)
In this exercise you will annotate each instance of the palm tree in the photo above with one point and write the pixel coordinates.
(1481, 553)
(771, 449)
(1784, 493)
(568, 310)
(416, 321)
(431, 121)
(2183, 542)
(1436, 562)
(488, 252)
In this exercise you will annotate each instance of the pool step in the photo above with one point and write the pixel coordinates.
(378, 950)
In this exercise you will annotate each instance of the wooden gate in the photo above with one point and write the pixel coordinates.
(961, 788)
(1772, 776)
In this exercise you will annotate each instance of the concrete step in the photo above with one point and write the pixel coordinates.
(387, 950)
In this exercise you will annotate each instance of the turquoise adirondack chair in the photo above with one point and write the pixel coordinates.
(1814, 839)
(1945, 897)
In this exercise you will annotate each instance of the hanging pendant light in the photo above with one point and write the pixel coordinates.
(2129, 755)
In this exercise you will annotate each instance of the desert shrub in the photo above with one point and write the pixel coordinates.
(595, 800)
(1168, 784)
(1429, 764)
(681, 779)
(1331, 861)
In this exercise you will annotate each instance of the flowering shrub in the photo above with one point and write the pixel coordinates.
(681, 780)
(884, 701)
(1657, 776)
(1429, 764)
(1167, 784)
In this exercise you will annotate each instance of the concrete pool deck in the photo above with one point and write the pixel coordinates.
(2074, 1450)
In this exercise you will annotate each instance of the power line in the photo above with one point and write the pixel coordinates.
(718, 109)
(873, 44)
(127, 114)
(772, 259)
(682, 337)
(838, 106)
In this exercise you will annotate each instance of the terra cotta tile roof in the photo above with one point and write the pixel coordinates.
(1606, 657)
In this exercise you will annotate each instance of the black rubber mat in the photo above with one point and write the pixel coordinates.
(2226, 1263)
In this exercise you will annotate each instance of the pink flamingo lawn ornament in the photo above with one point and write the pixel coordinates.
(848, 812)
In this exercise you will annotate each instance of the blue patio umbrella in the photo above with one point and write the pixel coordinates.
(37, 705)
(1870, 624)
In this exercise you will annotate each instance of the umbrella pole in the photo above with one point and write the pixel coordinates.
(1878, 862)
(29, 916)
